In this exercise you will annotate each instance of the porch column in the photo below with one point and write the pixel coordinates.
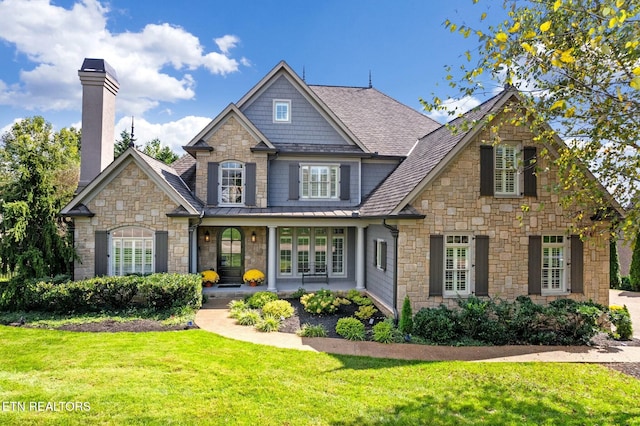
(360, 261)
(272, 260)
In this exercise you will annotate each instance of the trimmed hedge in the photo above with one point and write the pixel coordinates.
(156, 292)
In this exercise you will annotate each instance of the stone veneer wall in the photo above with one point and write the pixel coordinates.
(131, 199)
(453, 203)
(232, 141)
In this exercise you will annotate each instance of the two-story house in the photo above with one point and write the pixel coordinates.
(342, 184)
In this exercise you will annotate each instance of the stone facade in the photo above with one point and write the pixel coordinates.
(452, 202)
(232, 141)
(255, 254)
(131, 199)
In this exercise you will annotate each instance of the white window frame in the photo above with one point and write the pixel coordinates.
(141, 239)
(456, 242)
(295, 234)
(380, 245)
(326, 190)
(555, 264)
(512, 165)
(281, 103)
(223, 186)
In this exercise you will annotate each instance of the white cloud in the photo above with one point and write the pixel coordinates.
(453, 108)
(152, 65)
(175, 134)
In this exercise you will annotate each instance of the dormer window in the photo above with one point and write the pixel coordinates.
(281, 111)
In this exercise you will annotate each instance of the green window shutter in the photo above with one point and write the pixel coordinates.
(486, 170)
(482, 265)
(101, 254)
(250, 184)
(162, 251)
(577, 264)
(294, 181)
(535, 264)
(436, 265)
(212, 184)
(530, 179)
(345, 182)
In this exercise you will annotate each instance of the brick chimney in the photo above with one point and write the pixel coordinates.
(99, 88)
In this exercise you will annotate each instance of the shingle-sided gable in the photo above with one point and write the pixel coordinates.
(381, 123)
(427, 154)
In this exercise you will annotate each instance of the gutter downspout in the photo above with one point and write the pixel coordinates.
(193, 247)
(394, 233)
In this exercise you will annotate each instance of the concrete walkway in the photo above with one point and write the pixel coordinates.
(214, 317)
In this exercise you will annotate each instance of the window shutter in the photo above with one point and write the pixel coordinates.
(162, 251)
(530, 179)
(482, 265)
(577, 263)
(383, 255)
(250, 184)
(294, 182)
(101, 254)
(212, 184)
(345, 182)
(436, 265)
(535, 264)
(486, 170)
(375, 252)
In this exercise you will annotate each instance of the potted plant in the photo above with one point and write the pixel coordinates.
(209, 278)
(254, 277)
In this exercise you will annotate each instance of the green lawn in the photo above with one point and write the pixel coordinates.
(195, 377)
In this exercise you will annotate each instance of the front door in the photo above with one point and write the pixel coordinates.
(230, 255)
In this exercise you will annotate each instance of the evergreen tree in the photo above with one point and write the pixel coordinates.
(38, 176)
(634, 271)
(615, 280)
(122, 144)
(406, 318)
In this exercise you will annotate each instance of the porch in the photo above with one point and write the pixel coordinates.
(231, 291)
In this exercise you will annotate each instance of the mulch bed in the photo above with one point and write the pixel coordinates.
(111, 326)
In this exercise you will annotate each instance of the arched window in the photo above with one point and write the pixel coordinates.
(231, 182)
(132, 251)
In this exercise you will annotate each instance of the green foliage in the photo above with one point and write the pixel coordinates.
(621, 319)
(248, 317)
(322, 302)
(157, 292)
(405, 325)
(365, 312)
(237, 306)
(309, 330)
(634, 271)
(385, 332)
(301, 291)
(38, 175)
(359, 299)
(615, 279)
(278, 309)
(259, 299)
(436, 325)
(155, 149)
(268, 324)
(122, 144)
(350, 328)
(575, 64)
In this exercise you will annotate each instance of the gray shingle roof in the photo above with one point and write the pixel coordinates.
(381, 123)
(185, 166)
(426, 155)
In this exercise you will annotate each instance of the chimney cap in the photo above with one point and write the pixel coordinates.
(98, 65)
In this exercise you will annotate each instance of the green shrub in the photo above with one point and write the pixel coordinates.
(436, 325)
(322, 302)
(236, 307)
(615, 280)
(278, 309)
(620, 318)
(261, 298)
(248, 317)
(352, 293)
(309, 330)
(365, 312)
(268, 324)
(113, 293)
(301, 291)
(166, 291)
(350, 328)
(626, 283)
(357, 298)
(634, 269)
(406, 317)
(385, 332)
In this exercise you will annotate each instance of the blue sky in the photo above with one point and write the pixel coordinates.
(179, 63)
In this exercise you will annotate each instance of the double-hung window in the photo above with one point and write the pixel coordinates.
(132, 251)
(457, 263)
(231, 182)
(554, 263)
(319, 181)
(506, 170)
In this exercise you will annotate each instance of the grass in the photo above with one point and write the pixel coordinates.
(195, 377)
